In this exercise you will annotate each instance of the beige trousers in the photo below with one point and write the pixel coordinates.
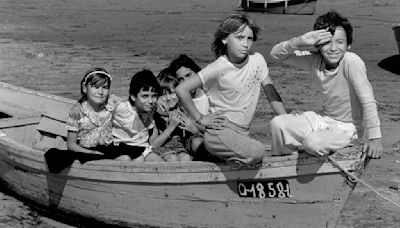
(316, 134)
(234, 145)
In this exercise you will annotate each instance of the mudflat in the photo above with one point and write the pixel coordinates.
(48, 45)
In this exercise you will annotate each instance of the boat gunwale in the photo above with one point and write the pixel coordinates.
(38, 93)
(163, 172)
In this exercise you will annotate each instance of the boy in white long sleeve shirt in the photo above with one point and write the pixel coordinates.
(349, 105)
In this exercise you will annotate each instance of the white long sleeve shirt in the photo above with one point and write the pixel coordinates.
(347, 93)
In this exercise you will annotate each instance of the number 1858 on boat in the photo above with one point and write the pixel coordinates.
(264, 189)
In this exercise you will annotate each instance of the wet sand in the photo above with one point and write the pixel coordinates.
(48, 45)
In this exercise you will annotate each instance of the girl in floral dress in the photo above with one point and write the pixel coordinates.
(89, 134)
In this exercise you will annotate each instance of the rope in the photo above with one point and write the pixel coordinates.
(363, 182)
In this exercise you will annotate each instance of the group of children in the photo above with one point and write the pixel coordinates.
(190, 113)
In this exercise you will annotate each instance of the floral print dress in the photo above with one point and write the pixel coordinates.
(94, 128)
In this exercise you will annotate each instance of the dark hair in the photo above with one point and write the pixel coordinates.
(96, 76)
(145, 80)
(232, 24)
(167, 80)
(183, 61)
(332, 20)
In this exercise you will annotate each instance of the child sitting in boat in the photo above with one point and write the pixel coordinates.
(89, 130)
(232, 83)
(133, 122)
(348, 100)
(181, 69)
(169, 119)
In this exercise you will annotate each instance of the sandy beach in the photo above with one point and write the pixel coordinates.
(48, 45)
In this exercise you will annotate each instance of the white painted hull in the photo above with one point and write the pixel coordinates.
(300, 7)
(193, 194)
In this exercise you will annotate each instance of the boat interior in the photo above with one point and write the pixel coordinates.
(28, 118)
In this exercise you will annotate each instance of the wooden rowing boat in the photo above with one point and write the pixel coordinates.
(280, 6)
(289, 191)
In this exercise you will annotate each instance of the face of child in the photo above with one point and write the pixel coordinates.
(96, 95)
(333, 51)
(145, 101)
(239, 44)
(170, 98)
(184, 73)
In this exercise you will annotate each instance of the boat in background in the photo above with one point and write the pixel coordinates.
(289, 191)
(306, 7)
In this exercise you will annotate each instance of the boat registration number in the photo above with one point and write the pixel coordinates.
(264, 189)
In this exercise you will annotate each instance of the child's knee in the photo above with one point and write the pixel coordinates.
(184, 157)
(257, 155)
(139, 159)
(153, 157)
(313, 144)
(277, 123)
(196, 142)
(123, 158)
(171, 158)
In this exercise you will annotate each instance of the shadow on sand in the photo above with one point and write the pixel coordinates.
(391, 64)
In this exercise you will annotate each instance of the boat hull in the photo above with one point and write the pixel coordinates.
(100, 194)
(300, 7)
(192, 194)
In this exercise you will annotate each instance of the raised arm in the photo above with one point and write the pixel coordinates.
(305, 45)
(311, 39)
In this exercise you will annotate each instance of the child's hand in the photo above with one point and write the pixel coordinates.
(162, 107)
(187, 124)
(373, 148)
(174, 118)
(76, 111)
(214, 120)
(313, 38)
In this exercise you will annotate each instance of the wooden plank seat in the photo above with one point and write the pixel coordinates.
(52, 133)
(16, 122)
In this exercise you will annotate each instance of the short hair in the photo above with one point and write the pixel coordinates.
(95, 76)
(183, 61)
(167, 80)
(332, 20)
(145, 80)
(231, 24)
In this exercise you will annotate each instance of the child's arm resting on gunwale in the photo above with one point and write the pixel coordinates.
(364, 92)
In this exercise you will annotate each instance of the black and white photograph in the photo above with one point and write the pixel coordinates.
(200, 114)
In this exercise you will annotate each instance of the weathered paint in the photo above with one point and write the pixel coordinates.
(193, 194)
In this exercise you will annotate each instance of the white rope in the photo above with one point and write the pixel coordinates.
(363, 182)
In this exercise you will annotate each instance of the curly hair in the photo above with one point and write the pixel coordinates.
(332, 20)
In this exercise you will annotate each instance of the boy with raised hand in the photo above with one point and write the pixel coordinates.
(349, 106)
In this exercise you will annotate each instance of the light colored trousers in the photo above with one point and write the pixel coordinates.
(316, 134)
(234, 145)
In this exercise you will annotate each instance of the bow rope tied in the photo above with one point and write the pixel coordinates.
(354, 177)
